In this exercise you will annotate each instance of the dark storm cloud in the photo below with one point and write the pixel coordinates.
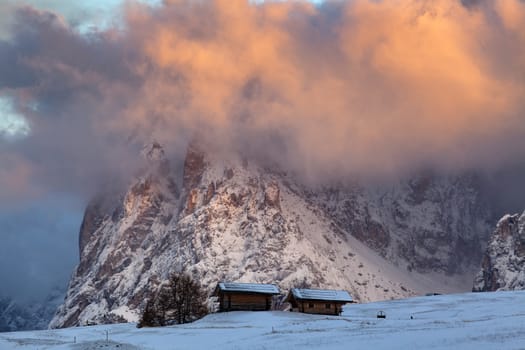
(13, 74)
(59, 81)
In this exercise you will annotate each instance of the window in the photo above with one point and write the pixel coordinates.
(328, 306)
(311, 306)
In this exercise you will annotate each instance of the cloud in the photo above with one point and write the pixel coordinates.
(379, 88)
(370, 88)
(60, 84)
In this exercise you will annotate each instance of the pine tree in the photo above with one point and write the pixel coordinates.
(149, 317)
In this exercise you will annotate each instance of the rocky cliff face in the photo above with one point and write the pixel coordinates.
(503, 265)
(428, 223)
(233, 220)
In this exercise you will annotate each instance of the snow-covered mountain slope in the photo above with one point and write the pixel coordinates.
(503, 266)
(480, 321)
(234, 220)
(427, 223)
(19, 316)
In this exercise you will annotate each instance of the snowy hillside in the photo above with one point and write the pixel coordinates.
(463, 321)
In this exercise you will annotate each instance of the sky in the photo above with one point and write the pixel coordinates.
(39, 231)
(330, 91)
(84, 15)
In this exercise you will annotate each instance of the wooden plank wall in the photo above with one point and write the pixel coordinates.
(320, 308)
(248, 302)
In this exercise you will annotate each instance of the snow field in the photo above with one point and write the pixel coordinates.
(461, 321)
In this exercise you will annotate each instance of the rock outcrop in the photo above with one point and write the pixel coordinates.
(503, 265)
(428, 223)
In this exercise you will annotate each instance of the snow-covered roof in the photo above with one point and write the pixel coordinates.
(249, 288)
(322, 294)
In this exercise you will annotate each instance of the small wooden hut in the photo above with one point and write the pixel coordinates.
(245, 296)
(318, 301)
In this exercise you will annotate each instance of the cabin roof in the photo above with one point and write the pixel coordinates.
(248, 288)
(322, 295)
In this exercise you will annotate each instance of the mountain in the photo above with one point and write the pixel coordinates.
(233, 219)
(21, 316)
(429, 223)
(503, 265)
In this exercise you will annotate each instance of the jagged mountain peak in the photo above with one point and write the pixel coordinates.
(194, 165)
(156, 165)
(503, 265)
(153, 151)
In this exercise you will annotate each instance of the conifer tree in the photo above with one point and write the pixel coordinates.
(148, 318)
(181, 300)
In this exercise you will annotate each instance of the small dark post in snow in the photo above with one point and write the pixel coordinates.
(75, 340)
(107, 336)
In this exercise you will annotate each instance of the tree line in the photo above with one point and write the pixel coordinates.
(181, 300)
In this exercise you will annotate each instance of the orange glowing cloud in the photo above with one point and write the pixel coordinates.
(372, 86)
(344, 88)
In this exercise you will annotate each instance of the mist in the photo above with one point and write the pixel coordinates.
(39, 248)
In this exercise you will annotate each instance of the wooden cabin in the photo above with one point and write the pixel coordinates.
(245, 296)
(318, 301)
